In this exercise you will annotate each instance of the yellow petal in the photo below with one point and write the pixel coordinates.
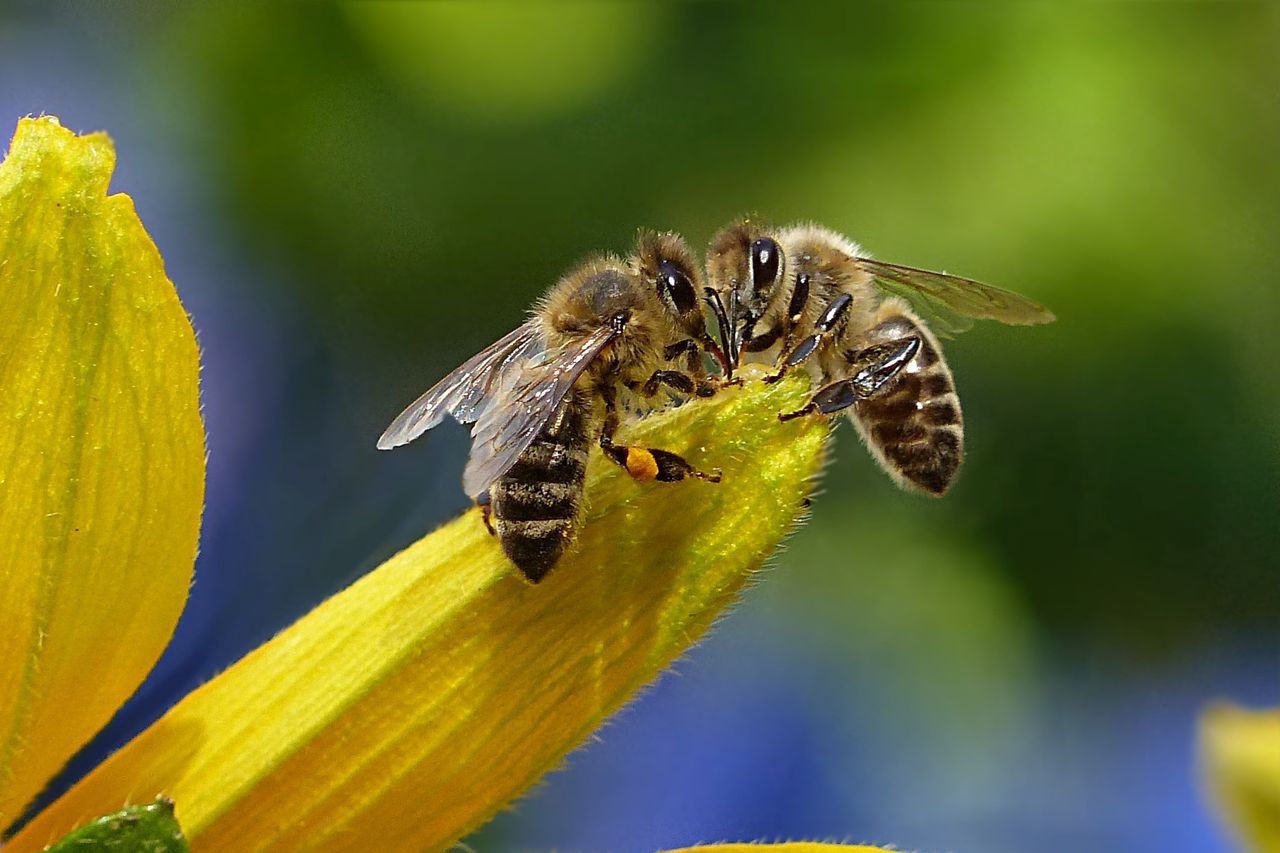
(1240, 761)
(786, 847)
(405, 711)
(101, 453)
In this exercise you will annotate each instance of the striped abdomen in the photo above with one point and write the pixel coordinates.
(914, 428)
(536, 504)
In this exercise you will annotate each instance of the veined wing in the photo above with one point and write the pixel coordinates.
(511, 422)
(952, 299)
(465, 391)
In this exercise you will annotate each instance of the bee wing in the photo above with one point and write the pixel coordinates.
(513, 419)
(952, 301)
(465, 391)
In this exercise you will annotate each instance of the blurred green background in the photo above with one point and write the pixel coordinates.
(354, 198)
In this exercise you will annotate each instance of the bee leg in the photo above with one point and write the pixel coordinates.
(873, 369)
(710, 345)
(652, 463)
(486, 511)
(699, 383)
(673, 378)
(795, 312)
(688, 347)
(704, 385)
(707, 386)
(876, 366)
(795, 357)
(645, 463)
(761, 342)
(826, 323)
(833, 398)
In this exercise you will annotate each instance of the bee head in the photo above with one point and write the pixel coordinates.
(665, 263)
(745, 266)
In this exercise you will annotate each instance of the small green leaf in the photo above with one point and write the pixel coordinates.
(144, 829)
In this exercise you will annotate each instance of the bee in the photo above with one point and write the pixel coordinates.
(606, 334)
(805, 295)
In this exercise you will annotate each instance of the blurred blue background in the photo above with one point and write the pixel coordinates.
(352, 199)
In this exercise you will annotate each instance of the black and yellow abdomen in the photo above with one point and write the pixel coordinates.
(915, 430)
(536, 505)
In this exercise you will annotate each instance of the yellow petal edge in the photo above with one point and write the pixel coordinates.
(1240, 762)
(405, 711)
(101, 453)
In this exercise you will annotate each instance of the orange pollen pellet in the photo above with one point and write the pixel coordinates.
(641, 464)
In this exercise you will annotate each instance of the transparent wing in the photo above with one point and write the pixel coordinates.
(943, 320)
(513, 419)
(466, 391)
(951, 301)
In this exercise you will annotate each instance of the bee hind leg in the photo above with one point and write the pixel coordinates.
(874, 369)
(647, 463)
(652, 463)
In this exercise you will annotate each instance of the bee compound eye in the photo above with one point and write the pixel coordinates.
(765, 261)
(675, 283)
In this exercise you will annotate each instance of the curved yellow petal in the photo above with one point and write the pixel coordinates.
(101, 453)
(405, 711)
(1240, 760)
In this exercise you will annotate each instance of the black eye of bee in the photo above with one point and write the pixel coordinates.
(765, 260)
(676, 285)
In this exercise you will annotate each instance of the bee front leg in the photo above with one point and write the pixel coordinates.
(874, 368)
(671, 378)
(688, 348)
(646, 463)
(795, 312)
(699, 384)
(830, 319)
(691, 350)
(795, 357)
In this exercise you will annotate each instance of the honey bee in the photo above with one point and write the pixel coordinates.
(805, 295)
(604, 335)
